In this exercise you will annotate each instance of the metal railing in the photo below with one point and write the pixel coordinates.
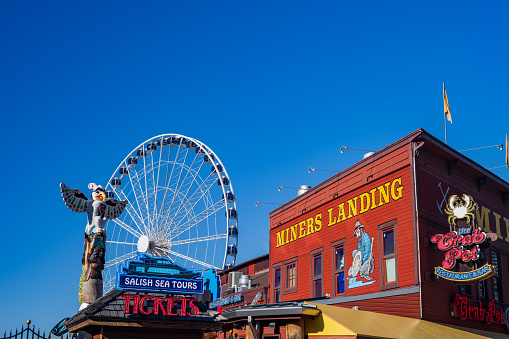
(31, 333)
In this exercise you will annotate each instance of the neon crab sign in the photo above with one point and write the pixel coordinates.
(462, 243)
(460, 208)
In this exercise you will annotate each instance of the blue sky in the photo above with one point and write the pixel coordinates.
(272, 87)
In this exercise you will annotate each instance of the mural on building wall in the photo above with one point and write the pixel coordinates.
(363, 263)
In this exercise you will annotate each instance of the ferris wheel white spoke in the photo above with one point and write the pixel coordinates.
(152, 189)
(149, 197)
(150, 178)
(168, 212)
(190, 201)
(209, 181)
(176, 191)
(140, 192)
(171, 229)
(196, 261)
(195, 221)
(193, 179)
(110, 284)
(166, 182)
(129, 208)
(207, 238)
(121, 242)
(193, 204)
(127, 227)
(120, 259)
(149, 224)
(156, 186)
(131, 211)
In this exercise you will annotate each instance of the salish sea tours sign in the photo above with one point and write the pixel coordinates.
(158, 274)
(462, 244)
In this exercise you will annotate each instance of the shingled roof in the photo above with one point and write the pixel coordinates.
(110, 309)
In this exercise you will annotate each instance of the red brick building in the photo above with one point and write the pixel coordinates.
(236, 292)
(362, 238)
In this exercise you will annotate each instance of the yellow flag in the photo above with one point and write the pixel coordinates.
(447, 110)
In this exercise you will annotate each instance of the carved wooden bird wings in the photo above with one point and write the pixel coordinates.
(78, 202)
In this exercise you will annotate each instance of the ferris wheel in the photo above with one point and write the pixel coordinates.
(181, 206)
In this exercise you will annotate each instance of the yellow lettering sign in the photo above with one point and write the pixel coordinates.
(390, 191)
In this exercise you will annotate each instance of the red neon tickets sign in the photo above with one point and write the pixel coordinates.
(453, 244)
(165, 306)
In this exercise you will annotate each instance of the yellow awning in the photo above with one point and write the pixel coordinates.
(336, 320)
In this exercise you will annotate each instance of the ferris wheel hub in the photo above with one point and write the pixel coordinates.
(144, 244)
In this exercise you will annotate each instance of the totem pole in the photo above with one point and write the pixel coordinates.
(99, 209)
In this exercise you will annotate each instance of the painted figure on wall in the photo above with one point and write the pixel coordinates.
(363, 263)
(99, 210)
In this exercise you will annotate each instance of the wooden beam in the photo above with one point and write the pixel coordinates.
(182, 325)
(451, 164)
(481, 181)
(505, 197)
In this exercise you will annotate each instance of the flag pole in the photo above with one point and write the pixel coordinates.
(506, 152)
(445, 119)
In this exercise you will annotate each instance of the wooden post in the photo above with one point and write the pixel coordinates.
(295, 329)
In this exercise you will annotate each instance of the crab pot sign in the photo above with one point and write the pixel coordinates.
(462, 244)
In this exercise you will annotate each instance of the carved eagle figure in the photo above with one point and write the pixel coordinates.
(99, 209)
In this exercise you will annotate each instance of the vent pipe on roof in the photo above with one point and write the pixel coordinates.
(303, 189)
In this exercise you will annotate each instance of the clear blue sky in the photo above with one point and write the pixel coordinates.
(273, 87)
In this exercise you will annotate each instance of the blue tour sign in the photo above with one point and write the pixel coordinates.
(158, 274)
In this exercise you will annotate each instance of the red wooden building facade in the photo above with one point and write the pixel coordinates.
(257, 270)
(362, 237)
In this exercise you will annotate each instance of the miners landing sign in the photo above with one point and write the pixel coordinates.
(462, 243)
(362, 203)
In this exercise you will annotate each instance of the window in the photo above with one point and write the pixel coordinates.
(277, 284)
(465, 289)
(262, 265)
(290, 276)
(317, 273)
(481, 290)
(339, 270)
(496, 281)
(338, 267)
(290, 272)
(388, 255)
